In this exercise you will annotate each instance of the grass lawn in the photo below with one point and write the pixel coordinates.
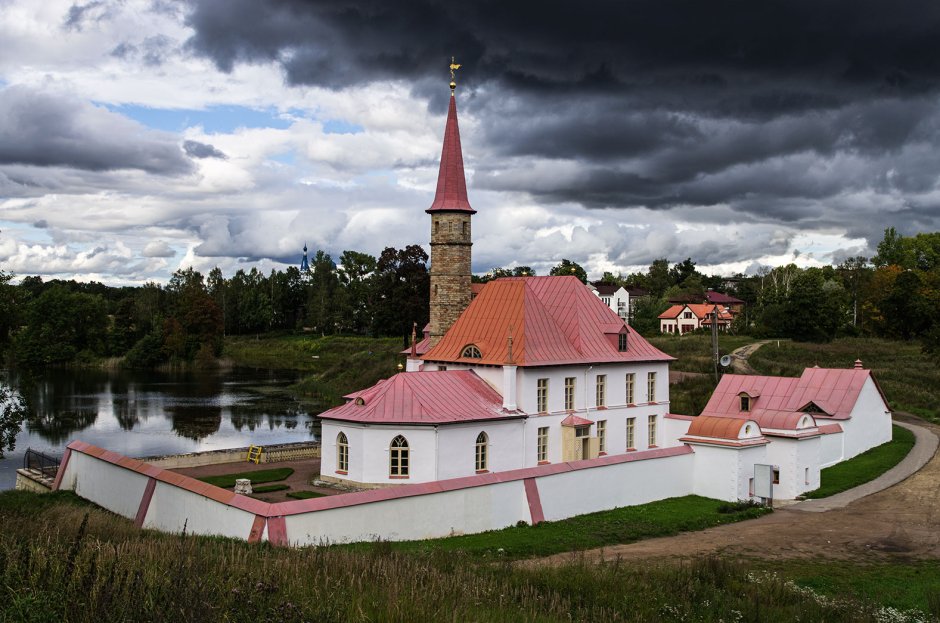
(621, 525)
(262, 476)
(866, 466)
(908, 585)
(305, 495)
(269, 488)
(910, 382)
(334, 365)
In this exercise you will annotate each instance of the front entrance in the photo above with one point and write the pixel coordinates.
(577, 443)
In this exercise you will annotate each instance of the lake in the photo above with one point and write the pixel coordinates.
(140, 413)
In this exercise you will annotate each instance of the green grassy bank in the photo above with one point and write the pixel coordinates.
(333, 365)
(61, 559)
(866, 466)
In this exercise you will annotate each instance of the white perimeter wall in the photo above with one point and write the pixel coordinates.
(464, 511)
(624, 484)
(172, 508)
(583, 487)
(870, 424)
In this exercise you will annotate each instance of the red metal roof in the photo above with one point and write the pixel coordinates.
(451, 195)
(552, 320)
(835, 391)
(437, 397)
(717, 427)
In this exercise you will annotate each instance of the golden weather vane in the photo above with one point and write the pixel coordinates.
(454, 66)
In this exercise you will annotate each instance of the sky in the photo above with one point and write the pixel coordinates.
(138, 137)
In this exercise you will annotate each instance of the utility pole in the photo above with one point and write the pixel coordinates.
(715, 340)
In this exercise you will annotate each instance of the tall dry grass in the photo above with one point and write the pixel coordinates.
(70, 562)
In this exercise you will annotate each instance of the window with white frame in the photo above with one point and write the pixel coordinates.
(631, 433)
(631, 385)
(480, 462)
(542, 395)
(542, 445)
(652, 430)
(602, 436)
(651, 387)
(398, 458)
(342, 453)
(470, 351)
(601, 391)
(569, 393)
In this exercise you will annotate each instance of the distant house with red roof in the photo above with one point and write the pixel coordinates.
(691, 316)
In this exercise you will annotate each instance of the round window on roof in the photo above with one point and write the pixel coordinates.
(360, 401)
(470, 351)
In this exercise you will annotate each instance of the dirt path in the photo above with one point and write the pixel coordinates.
(902, 521)
(739, 364)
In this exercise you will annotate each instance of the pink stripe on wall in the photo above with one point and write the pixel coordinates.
(535, 501)
(61, 471)
(257, 529)
(145, 502)
(277, 530)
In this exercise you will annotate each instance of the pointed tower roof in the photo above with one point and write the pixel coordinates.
(451, 193)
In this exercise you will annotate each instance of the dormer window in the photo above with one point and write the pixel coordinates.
(622, 342)
(745, 402)
(360, 401)
(470, 351)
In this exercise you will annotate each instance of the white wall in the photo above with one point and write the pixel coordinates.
(830, 449)
(173, 508)
(118, 490)
(793, 457)
(724, 472)
(870, 424)
(672, 430)
(464, 511)
(457, 447)
(623, 484)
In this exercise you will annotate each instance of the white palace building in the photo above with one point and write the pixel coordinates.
(539, 371)
(533, 401)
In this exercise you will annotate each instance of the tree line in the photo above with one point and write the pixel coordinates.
(895, 294)
(61, 322)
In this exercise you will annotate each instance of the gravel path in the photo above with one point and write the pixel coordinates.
(895, 517)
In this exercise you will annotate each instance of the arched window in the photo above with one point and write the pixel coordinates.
(398, 458)
(471, 352)
(342, 453)
(480, 462)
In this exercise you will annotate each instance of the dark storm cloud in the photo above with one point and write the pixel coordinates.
(202, 150)
(47, 130)
(786, 111)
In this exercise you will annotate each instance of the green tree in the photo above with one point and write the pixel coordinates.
(60, 325)
(12, 413)
(401, 291)
(356, 276)
(658, 279)
(567, 267)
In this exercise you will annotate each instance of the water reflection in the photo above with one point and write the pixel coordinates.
(142, 414)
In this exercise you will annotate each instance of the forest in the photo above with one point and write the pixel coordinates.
(895, 294)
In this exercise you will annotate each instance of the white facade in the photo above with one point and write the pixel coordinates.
(449, 450)
(869, 424)
(618, 301)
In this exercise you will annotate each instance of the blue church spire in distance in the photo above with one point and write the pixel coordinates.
(304, 264)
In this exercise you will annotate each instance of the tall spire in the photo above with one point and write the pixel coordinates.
(451, 195)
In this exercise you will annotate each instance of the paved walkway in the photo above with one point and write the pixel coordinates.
(925, 446)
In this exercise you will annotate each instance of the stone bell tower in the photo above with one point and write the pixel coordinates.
(450, 231)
